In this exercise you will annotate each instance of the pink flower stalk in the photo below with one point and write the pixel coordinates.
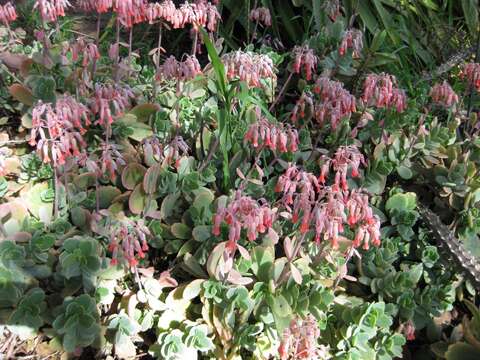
(305, 58)
(110, 102)
(130, 12)
(380, 90)
(129, 239)
(304, 104)
(443, 94)
(345, 157)
(299, 341)
(60, 129)
(248, 67)
(332, 8)
(255, 217)
(352, 39)
(471, 72)
(335, 104)
(262, 16)
(7, 13)
(263, 134)
(51, 10)
(172, 69)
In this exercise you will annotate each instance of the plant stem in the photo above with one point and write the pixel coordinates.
(130, 39)
(477, 56)
(117, 60)
(97, 44)
(280, 94)
(55, 203)
(195, 43)
(156, 59)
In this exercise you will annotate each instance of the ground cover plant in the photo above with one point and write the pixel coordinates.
(206, 180)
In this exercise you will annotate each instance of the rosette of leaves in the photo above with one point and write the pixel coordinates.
(77, 322)
(123, 328)
(401, 207)
(362, 331)
(81, 257)
(28, 315)
(13, 279)
(183, 343)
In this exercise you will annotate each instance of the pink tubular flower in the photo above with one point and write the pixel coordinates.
(300, 341)
(7, 13)
(328, 210)
(174, 151)
(263, 134)
(248, 67)
(444, 95)
(305, 58)
(345, 156)
(332, 8)
(303, 106)
(110, 102)
(380, 90)
(352, 39)
(335, 103)
(172, 69)
(59, 129)
(471, 72)
(261, 15)
(129, 239)
(51, 10)
(130, 12)
(256, 217)
(88, 51)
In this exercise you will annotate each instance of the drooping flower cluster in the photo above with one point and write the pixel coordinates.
(335, 104)
(130, 12)
(444, 95)
(248, 67)
(172, 69)
(201, 13)
(332, 8)
(471, 72)
(107, 164)
(88, 51)
(303, 106)
(275, 137)
(129, 239)
(352, 39)
(327, 210)
(380, 90)
(300, 341)
(7, 13)
(345, 157)
(110, 102)
(171, 153)
(60, 128)
(51, 10)
(261, 15)
(256, 217)
(305, 58)
(100, 6)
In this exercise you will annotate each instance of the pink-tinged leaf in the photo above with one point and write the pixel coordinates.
(22, 94)
(288, 248)
(259, 170)
(240, 174)
(244, 252)
(296, 275)
(166, 280)
(13, 61)
(272, 234)
(256, 182)
(225, 266)
(214, 258)
(150, 181)
(132, 175)
(137, 200)
(236, 278)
